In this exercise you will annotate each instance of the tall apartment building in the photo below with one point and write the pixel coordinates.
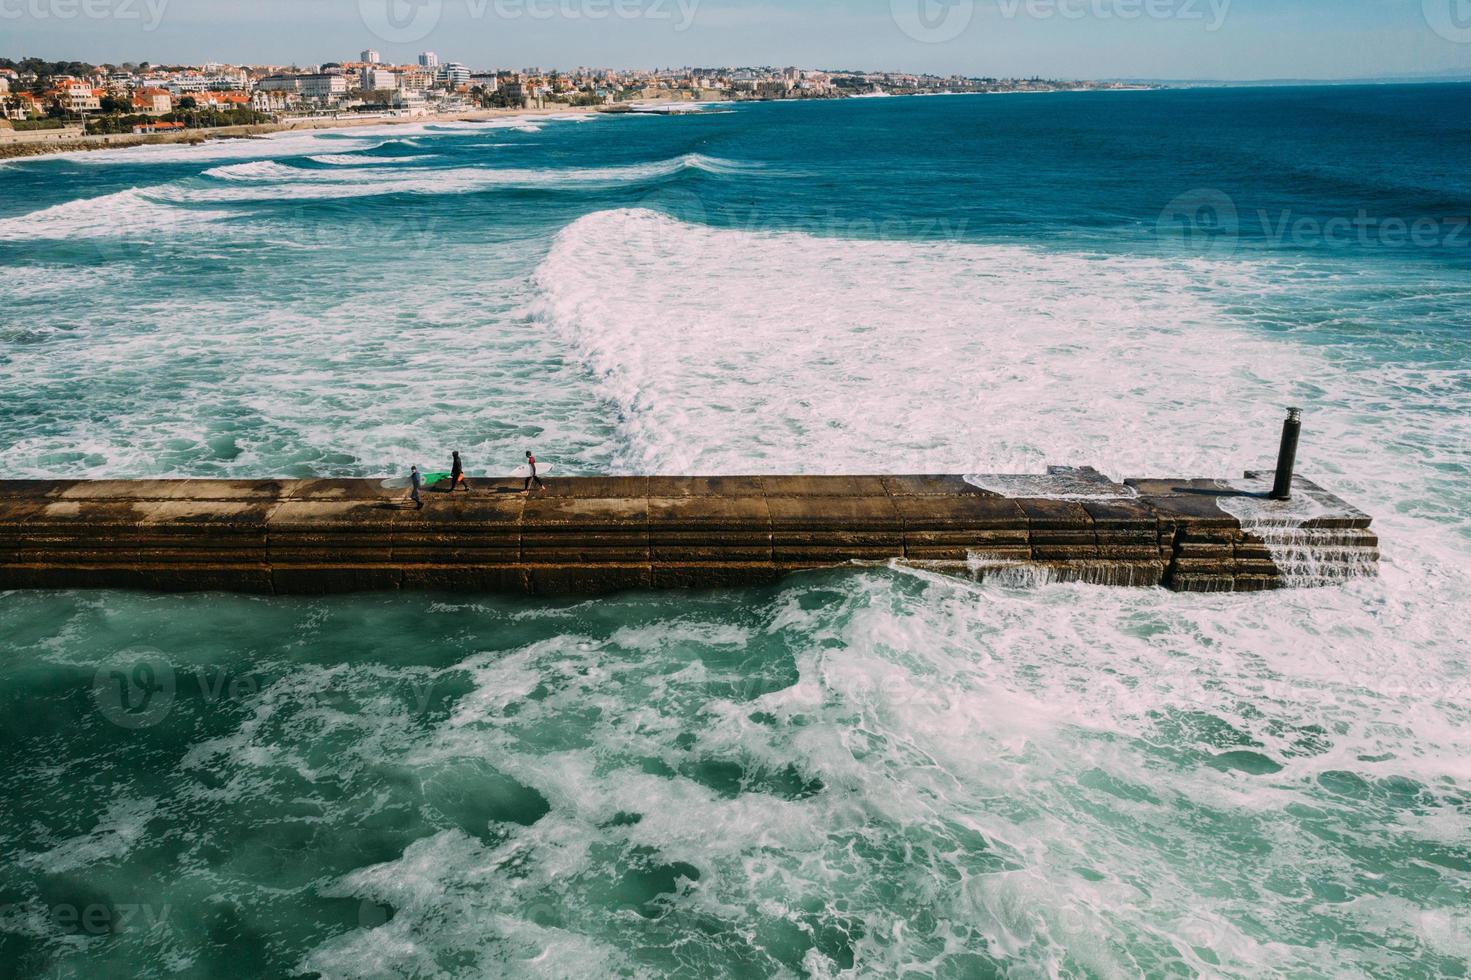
(455, 75)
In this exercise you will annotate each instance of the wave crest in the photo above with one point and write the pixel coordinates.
(809, 354)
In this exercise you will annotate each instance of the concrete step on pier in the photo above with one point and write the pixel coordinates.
(592, 535)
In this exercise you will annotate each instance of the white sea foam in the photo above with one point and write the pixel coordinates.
(801, 352)
(1053, 487)
(352, 160)
(134, 212)
(152, 210)
(1306, 556)
(270, 180)
(271, 145)
(673, 108)
(968, 743)
(118, 830)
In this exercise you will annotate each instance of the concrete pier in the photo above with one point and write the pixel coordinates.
(594, 535)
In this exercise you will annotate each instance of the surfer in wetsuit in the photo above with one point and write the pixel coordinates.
(457, 476)
(531, 466)
(415, 482)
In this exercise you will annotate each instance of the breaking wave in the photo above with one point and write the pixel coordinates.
(801, 352)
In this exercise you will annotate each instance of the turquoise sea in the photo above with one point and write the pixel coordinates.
(861, 772)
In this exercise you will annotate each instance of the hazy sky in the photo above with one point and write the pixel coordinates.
(1227, 39)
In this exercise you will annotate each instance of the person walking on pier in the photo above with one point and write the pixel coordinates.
(415, 482)
(457, 476)
(531, 475)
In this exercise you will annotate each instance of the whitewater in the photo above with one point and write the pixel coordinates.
(861, 772)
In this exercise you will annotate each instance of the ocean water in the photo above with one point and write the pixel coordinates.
(860, 772)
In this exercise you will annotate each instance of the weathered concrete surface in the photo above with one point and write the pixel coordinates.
(599, 534)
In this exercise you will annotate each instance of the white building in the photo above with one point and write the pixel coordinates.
(379, 80)
(409, 99)
(369, 56)
(454, 75)
(262, 100)
(320, 87)
(279, 83)
(80, 97)
(182, 84)
(428, 59)
(220, 81)
(152, 101)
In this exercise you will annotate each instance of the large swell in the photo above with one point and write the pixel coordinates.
(872, 772)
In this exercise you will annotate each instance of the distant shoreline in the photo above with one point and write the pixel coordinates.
(21, 148)
(17, 149)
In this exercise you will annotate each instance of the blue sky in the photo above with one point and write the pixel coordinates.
(1224, 39)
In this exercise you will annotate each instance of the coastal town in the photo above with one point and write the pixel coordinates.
(49, 101)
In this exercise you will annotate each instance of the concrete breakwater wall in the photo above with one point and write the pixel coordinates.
(594, 535)
(57, 135)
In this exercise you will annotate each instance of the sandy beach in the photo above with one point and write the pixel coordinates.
(11, 148)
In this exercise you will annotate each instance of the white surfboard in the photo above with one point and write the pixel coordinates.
(404, 482)
(525, 471)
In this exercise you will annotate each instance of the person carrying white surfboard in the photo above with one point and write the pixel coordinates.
(531, 475)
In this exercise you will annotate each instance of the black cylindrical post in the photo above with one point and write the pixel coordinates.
(1287, 458)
